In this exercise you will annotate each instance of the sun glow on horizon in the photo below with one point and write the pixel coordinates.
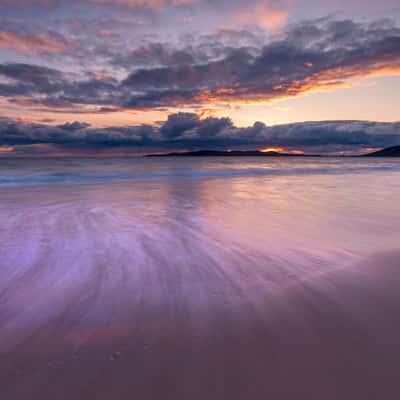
(281, 150)
(275, 149)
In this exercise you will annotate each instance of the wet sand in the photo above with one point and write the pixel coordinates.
(111, 295)
(334, 336)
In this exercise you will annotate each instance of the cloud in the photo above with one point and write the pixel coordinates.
(311, 56)
(189, 131)
(28, 44)
(145, 3)
(154, 54)
(129, 3)
(74, 126)
(39, 76)
(24, 81)
(25, 2)
(265, 13)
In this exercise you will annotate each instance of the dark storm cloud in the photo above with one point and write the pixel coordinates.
(189, 131)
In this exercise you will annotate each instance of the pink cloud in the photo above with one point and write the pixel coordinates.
(265, 13)
(27, 44)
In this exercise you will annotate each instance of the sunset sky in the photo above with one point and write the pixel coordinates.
(131, 76)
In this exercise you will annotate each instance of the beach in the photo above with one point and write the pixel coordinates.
(200, 280)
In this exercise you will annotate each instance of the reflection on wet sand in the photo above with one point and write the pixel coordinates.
(225, 289)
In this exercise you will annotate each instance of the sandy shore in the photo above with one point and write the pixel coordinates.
(201, 289)
(331, 336)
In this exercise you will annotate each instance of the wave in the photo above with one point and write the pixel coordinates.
(87, 178)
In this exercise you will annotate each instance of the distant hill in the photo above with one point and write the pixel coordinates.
(223, 153)
(393, 151)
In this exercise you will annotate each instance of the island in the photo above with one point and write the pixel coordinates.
(231, 153)
(393, 151)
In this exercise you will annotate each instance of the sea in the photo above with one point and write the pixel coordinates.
(309, 213)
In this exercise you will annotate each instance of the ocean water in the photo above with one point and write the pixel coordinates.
(98, 252)
(15, 172)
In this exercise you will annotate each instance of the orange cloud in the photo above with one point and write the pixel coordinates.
(335, 78)
(27, 44)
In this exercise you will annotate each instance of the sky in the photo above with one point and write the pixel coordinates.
(127, 77)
